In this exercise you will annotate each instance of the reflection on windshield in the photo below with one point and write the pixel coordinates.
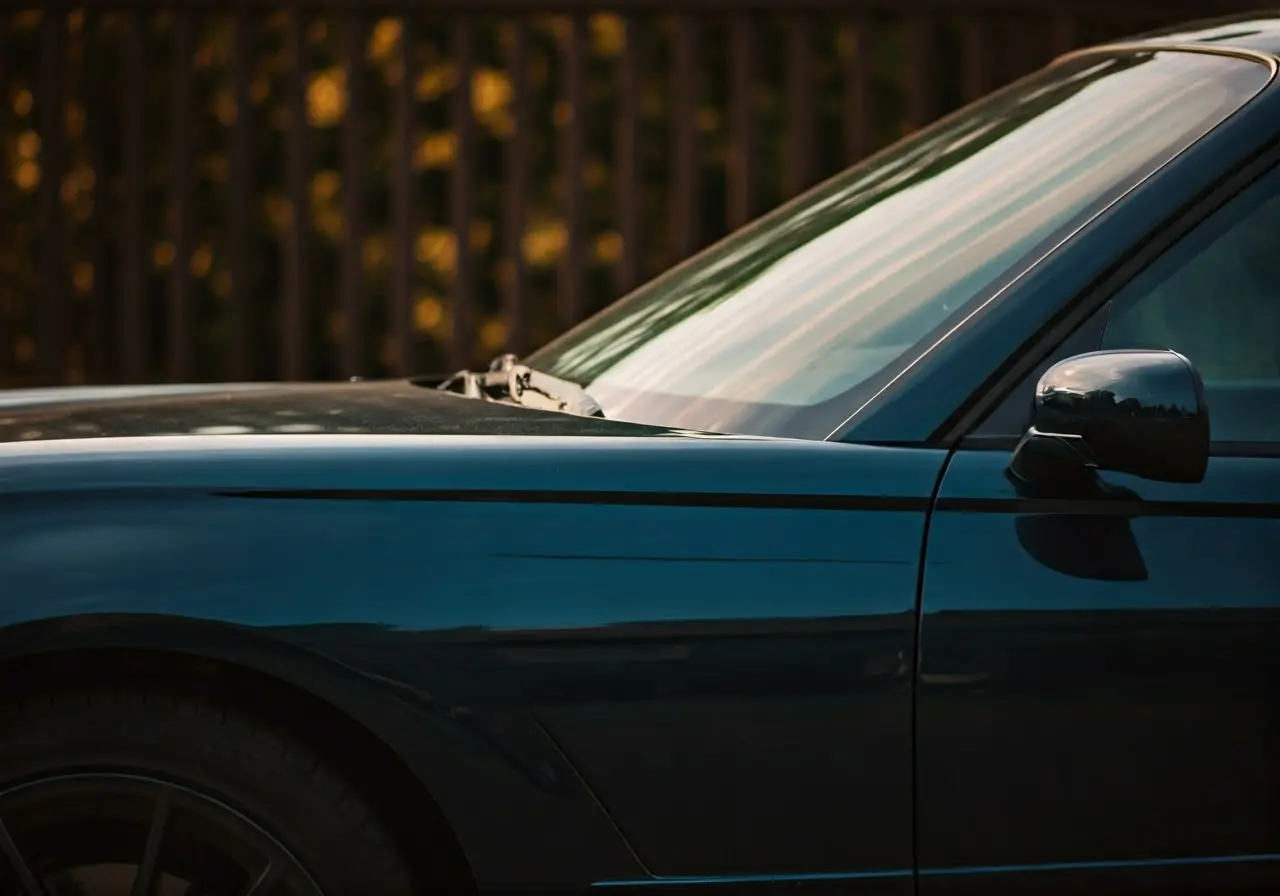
(775, 330)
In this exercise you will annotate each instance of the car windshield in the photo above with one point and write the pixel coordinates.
(789, 325)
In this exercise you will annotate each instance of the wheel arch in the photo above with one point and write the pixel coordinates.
(338, 713)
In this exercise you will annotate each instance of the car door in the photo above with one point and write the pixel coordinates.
(1099, 680)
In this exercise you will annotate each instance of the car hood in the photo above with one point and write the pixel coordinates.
(397, 407)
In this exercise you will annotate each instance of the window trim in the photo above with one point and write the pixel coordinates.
(1078, 312)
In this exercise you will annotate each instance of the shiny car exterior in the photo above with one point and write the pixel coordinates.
(823, 650)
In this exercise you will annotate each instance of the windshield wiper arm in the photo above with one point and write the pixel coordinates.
(508, 379)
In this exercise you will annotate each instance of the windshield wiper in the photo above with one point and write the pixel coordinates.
(508, 379)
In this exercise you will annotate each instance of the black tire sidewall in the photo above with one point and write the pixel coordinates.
(278, 784)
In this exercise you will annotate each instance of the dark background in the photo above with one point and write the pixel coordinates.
(246, 190)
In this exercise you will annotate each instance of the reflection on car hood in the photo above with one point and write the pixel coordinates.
(390, 408)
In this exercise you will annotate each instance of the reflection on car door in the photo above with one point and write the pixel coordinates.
(1100, 678)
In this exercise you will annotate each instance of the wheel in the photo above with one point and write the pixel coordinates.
(129, 793)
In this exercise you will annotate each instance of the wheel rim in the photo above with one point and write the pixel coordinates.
(103, 834)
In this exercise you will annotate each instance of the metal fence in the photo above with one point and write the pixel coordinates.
(240, 190)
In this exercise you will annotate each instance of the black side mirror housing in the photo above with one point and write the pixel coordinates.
(1140, 412)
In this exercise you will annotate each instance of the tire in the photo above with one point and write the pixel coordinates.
(214, 758)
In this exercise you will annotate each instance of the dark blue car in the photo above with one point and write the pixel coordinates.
(922, 537)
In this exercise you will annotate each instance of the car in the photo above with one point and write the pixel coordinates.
(921, 537)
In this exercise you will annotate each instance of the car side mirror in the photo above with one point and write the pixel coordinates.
(1140, 412)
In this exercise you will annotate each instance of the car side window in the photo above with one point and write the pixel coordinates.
(1214, 297)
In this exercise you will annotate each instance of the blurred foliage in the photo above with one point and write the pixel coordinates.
(92, 193)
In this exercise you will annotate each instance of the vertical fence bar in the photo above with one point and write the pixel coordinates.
(856, 73)
(240, 354)
(7, 298)
(976, 72)
(1026, 55)
(800, 106)
(462, 192)
(131, 331)
(403, 220)
(516, 191)
(354, 28)
(742, 175)
(686, 94)
(1063, 34)
(572, 158)
(922, 99)
(627, 163)
(51, 304)
(180, 316)
(295, 323)
(98, 320)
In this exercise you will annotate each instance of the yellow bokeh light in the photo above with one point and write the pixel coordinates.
(438, 248)
(500, 123)
(428, 313)
(327, 98)
(562, 113)
(325, 185)
(436, 150)
(608, 34)
(201, 261)
(490, 91)
(28, 144)
(27, 176)
(23, 101)
(260, 89)
(383, 40)
(162, 255)
(493, 334)
(82, 276)
(329, 222)
(608, 247)
(376, 252)
(544, 243)
(222, 283)
(224, 106)
(481, 234)
(279, 212)
(435, 81)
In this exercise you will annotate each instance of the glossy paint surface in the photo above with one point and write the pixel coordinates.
(1140, 412)
(636, 658)
(1098, 680)
(716, 632)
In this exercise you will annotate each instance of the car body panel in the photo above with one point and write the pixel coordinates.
(589, 588)
(1107, 691)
